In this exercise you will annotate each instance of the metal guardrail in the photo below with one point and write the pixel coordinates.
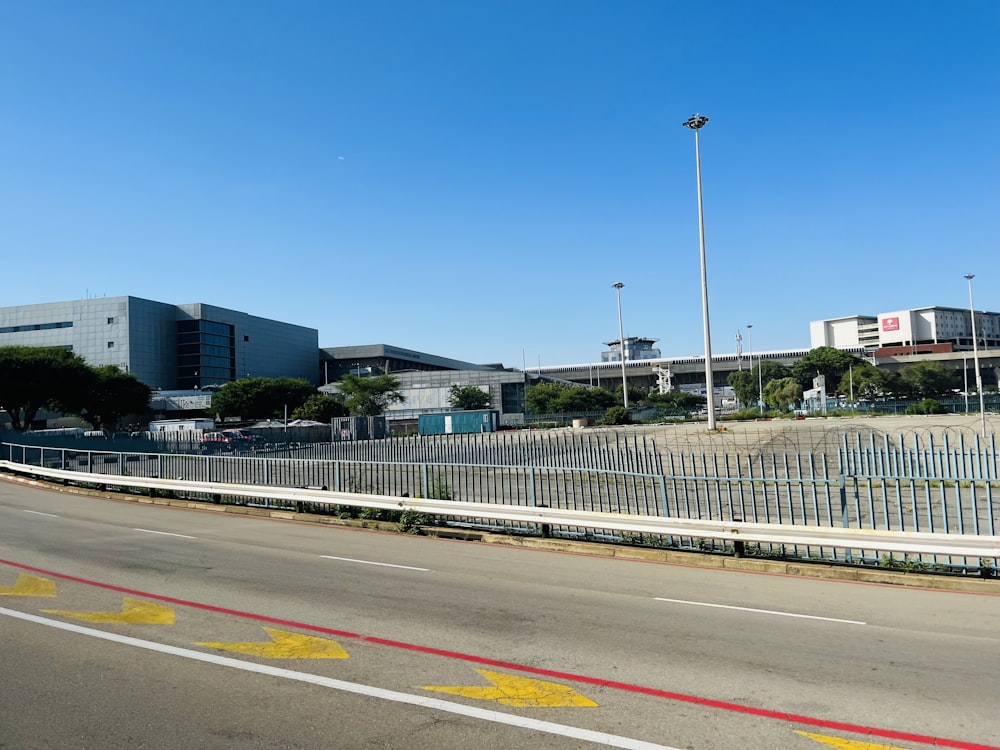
(907, 542)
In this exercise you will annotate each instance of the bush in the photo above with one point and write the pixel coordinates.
(748, 413)
(927, 406)
(616, 415)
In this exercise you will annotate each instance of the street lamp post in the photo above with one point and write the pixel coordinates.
(760, 376)
(621, 342)
(975, 355)
(696, 123)
(965, 381)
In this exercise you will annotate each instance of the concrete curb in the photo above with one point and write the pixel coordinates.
(797, 568)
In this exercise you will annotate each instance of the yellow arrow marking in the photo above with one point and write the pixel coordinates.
(29, 586)
(843, 744)
(134, 612)
(286, 645)
(521, 692)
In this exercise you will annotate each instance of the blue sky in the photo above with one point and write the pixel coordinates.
(470, 178)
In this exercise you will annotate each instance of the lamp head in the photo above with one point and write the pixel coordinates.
(695, 122)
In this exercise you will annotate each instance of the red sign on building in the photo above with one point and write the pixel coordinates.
(890, 324)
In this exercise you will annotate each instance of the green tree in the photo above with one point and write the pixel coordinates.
(32, 378)
(827, 361)
(112, 395)
(468, 397)
(582, 398)
(541, 398)
(676, 402)
(747, 383)
(261, 398)
(369, 397)
(744, 385)
(635, 395)
(782, 393)
(560, 398)
(928, 380)
(320, 407)
(867, 382)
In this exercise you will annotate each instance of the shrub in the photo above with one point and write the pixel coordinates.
(927, 406)
(616, 415)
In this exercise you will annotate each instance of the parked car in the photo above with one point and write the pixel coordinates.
(242, 438)
(216, 439)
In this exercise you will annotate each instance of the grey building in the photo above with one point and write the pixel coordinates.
(169, 347)
(426, 379)
(384, 359)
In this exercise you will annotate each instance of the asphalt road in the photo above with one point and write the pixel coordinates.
(379, 640)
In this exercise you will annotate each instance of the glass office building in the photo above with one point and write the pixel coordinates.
(169, 347)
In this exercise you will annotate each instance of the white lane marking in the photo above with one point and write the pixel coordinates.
(369, 562)
(422, 701)
(761, 611)
(39, 513)
(164, 533)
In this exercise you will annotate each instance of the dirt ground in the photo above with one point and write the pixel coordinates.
(820, 434)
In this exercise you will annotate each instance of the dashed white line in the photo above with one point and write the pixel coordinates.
(164, 533)
(435, 704)
(761, 611)
(39, 513)
(371, 562)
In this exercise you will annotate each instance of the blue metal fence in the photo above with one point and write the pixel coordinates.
(872, 481)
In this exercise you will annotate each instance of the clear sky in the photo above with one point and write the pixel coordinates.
(469, 178)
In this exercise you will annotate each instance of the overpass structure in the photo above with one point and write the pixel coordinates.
(689, 372)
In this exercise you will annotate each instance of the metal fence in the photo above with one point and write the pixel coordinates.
(903, 482)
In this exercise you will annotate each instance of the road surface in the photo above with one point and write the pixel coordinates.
(126, 626)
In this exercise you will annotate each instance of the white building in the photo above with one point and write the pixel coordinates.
(943, 328)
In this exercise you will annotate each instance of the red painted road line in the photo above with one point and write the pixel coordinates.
(838, 726)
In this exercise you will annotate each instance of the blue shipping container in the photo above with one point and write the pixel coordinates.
(455, 422)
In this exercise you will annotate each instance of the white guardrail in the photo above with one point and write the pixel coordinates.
(914, 542)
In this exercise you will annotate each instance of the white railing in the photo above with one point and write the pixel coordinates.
(909, 542)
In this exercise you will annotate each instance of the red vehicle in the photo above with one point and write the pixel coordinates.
(216, 438)
(240, 437)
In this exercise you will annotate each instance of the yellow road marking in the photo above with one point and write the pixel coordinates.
(521, 692)
(134, 612)
(285, 645)
(26, 585)
(842, 744)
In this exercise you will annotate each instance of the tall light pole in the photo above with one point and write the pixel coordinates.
(621, 341)
(975, 354)
(696, 123)
(760, 376)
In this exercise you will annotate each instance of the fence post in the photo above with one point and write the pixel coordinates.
(423, 481)
(544, 529)
(844, 521)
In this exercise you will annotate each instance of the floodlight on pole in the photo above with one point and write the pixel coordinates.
(621, 342)
(975, 355)
(696, 123)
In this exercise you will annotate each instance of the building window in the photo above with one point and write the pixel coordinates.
(246, 338)
(36, 327)
(111, 345)
(111, 321)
